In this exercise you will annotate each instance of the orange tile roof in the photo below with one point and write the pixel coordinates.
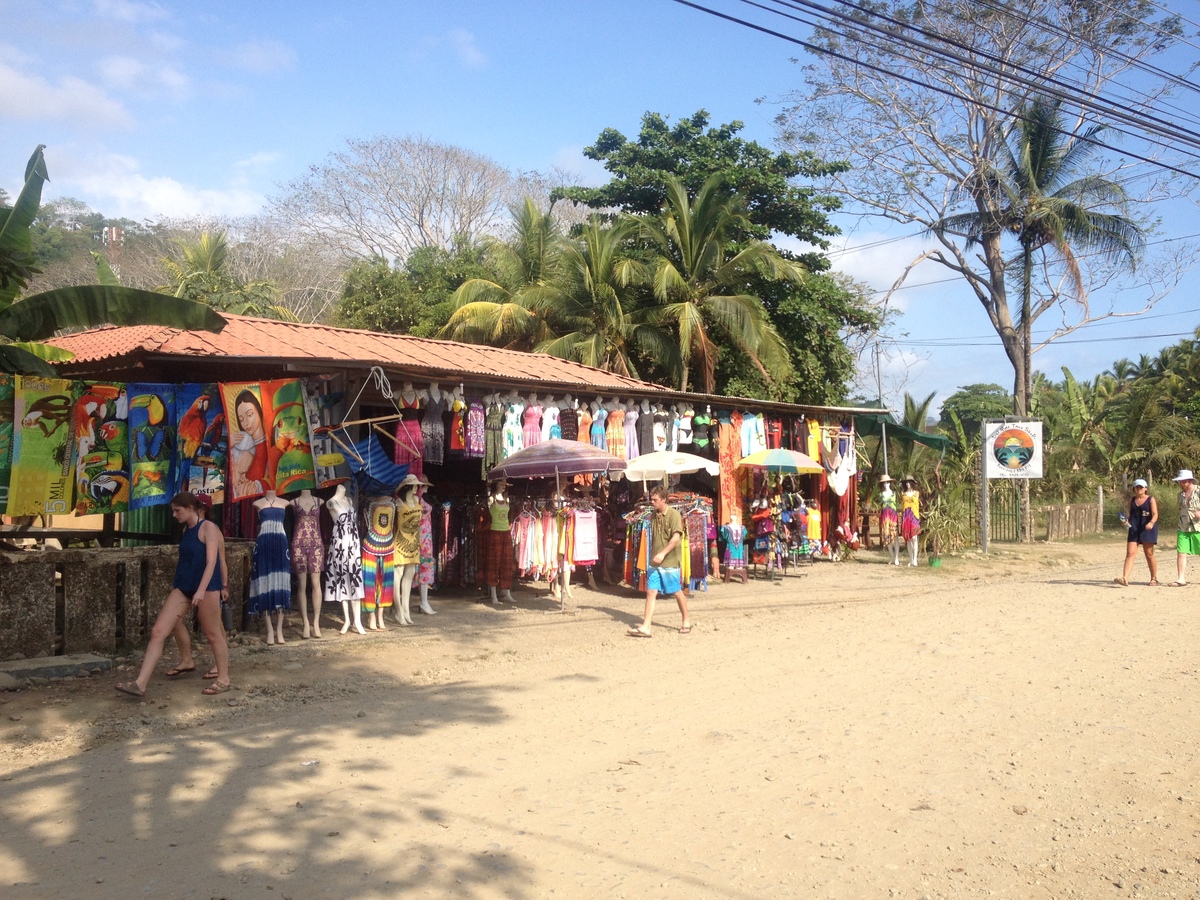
(246, 338)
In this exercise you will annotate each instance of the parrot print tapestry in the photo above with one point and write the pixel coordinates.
(270, 447)
(40, 481)
(203, 443)
(7, 398)
(152, 444)
(101, 430)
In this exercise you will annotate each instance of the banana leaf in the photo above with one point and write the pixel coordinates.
(48, 352)
(15, 241)
(21, 362)
(40, 316)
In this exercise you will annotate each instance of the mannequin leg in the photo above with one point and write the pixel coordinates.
(278, 626)
(302, 597)
(492, 594)
(566, 582)
(315, 577)
(346, 616)
(356, 605)
(912, 551)
(405, 575)
(425, 607)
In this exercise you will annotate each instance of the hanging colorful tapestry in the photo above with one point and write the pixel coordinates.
(7, 384)
(40, 481)
(152, 444)
(203, 440)
(101, 448)
(269, 446)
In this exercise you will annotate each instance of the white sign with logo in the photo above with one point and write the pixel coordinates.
(1012, 449)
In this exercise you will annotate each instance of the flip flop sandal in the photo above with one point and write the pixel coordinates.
(638, 633)
(215, 688)
(210, 675)
(176, 672)
(130, 688)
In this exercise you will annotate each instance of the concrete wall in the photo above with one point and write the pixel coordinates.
(79, 601)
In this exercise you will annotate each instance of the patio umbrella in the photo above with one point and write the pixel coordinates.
(549, 459)
(784, 462)
(658, 465)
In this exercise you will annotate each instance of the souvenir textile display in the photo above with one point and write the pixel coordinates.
(152, 438)
(410, 440)
(101, 448)
(40, 481)
(696, 512)
(270, 570)
(203, 443)
(379, 559)
(269, 441)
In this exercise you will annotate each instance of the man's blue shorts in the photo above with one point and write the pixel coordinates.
(665, 581)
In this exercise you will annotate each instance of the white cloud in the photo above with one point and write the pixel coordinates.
(120, 188)
(257, 160)
(264, 57)
(465, 48)
(130, 74)
(129, 11)
(32, 97)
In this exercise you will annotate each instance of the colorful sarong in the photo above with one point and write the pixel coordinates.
(151, 444)
(40, 481)
(7, 397)
(101, 430)
(203, 440)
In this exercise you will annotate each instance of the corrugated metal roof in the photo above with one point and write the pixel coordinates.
(246, 338)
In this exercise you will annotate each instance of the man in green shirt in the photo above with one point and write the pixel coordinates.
(664, 561)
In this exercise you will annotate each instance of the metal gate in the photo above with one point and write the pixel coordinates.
(1004, 510)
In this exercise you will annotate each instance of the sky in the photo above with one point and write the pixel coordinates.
(170, 109)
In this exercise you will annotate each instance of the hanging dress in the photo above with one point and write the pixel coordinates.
(476, 435)
(344, 572)
(889, 520)
(533, 425)
(308, 551)
(379, 555)
(599, 432)
(433, 432)
(514, 438)
(615, 432)
(270, 573)
(427, 572)
(409, 443)
(659, 431)
(408, 534)
(632, 446)
(568, 424)
(551, 429)
(493, 438)
(585, 425)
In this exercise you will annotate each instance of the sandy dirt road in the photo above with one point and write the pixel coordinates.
(1016, 726)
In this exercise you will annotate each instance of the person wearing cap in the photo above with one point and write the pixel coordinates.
(1188, 541)
(1143, 532)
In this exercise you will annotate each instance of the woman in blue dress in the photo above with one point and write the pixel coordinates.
(1143, 532)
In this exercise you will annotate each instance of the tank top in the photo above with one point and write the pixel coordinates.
(499, 511)
(193, 557)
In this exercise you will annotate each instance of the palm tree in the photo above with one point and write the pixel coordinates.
(34, 318)
(1045, 199)
(592, 308)
(699, 281)
(203, 275)
(514, 310)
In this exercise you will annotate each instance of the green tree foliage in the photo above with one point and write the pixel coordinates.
(417, 298)
(37, 317)
(693, 153)
(973, 404)
(200, 272)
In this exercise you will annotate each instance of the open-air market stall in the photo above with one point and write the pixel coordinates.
(267, 405)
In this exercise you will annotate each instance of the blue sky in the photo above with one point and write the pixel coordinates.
(173, 109)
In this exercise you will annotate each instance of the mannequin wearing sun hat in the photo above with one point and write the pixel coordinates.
(408, 542)
(1188, 540)
(889, 520)
(910, 516)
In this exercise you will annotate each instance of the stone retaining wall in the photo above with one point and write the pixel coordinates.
(55, 602)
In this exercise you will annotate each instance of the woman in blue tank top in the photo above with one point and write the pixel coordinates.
(199, 582)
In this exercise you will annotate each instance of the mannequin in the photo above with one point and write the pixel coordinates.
(270, 576)
(734, 535)
(889, 520)
(499, 559)
(633, 446)
(344, 574)
(561, 587)
(599, 425)
(910, 517)
(615, 429)
(379, 560)
(408, 546)
(308, 558)
(568, 420)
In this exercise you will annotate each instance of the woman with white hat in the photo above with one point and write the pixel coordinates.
(1143, 531)
(1188, 541)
